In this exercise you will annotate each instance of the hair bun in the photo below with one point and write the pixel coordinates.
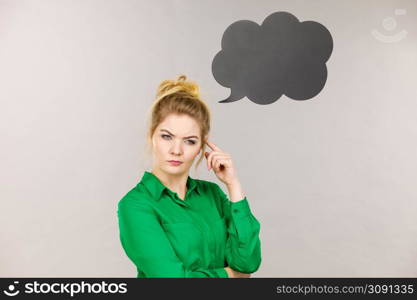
(181, 78)
(181, 84)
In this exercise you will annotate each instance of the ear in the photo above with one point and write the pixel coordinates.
(205, 139)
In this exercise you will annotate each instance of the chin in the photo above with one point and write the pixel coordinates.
(174, 169)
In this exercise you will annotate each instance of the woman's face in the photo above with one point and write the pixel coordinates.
(176, 138)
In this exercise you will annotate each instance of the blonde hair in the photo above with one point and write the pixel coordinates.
(178, 97)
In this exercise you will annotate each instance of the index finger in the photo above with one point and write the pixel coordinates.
(213, 146)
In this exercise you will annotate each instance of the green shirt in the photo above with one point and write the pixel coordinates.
(165, 236)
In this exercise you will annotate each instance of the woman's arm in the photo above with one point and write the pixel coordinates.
(235, 191)
(148, 247)
(243, 246)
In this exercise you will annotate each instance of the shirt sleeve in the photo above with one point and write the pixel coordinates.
(147, 246)
(243, 246)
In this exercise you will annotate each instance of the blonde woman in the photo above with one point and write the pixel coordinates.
(172, 225)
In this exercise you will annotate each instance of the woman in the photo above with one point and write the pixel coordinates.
(172, 225)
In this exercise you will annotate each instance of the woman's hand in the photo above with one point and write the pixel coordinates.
(236, 274)
(221, 163)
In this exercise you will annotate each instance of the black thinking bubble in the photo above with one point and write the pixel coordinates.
(281, 57)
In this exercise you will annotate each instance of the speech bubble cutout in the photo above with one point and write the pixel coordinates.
(280, 57)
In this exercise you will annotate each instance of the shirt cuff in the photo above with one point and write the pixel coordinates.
(240, 208)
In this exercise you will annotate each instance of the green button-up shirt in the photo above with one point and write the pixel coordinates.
(165, 236)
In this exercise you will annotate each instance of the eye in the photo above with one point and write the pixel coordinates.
(168, 137)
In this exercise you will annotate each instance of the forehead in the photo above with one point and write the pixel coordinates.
(182, 125)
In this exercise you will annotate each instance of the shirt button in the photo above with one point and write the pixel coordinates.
(235, 210)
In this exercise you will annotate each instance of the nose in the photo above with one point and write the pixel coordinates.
(176, 148)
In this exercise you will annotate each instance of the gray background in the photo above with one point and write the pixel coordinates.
(332, 180)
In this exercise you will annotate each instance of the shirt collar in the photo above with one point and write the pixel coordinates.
(156, 187)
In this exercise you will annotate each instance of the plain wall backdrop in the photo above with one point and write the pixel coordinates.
(332, 180)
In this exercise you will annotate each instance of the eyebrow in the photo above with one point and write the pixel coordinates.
(186, 137)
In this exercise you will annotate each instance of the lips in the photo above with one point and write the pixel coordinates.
(175, 162)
